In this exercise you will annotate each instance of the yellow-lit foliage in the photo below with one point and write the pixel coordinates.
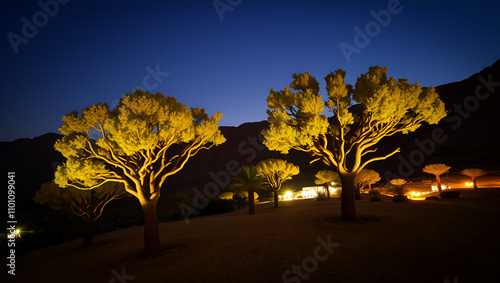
(226, 195)
(88, 204)
(366, 177)
(399, 187)
(325, 177)
(474, 173)
(437, 170)
(134, 142)
(139, 143)
(387, 107)
(276, 172)
(245, 194)
(398, 182)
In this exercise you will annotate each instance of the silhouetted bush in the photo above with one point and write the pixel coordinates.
(321, 196)
(217, 206)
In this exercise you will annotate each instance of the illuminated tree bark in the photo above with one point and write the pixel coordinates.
(141, 142)
(386, 107)
(276, 172)
(325, 178)
(437, 170)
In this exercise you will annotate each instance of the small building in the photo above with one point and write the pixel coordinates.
(312, 192)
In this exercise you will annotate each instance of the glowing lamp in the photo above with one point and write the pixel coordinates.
(469, 184)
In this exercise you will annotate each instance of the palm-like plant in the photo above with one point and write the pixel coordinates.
(248, 180)
(365, 178)
(474, 173)
(325, 178)
(399, 189)
(437, 170)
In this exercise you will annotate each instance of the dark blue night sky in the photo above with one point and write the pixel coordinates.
(222, 55)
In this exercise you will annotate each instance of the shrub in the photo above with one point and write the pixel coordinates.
(217, 206)
(226, 195)
(322, 196)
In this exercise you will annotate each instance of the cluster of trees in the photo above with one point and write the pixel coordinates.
(439, 169)
(148, 137)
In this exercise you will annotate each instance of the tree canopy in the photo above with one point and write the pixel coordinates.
(87, 204)
(437, 170)
(248, 180)
(474, 173)
(386, 106)
(325, 178)
(276, 172)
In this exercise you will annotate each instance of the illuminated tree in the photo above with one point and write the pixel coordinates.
(226, 195)
(325, 178)
(248, 181)
(345, 141)
(398, 188)
(141, 142)
(474, 173)
(276, 172)
(366, 177)
(437, 170)
(87, 204)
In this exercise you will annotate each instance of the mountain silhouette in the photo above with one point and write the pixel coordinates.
(467, 137)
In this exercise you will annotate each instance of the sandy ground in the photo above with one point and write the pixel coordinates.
(427, 241)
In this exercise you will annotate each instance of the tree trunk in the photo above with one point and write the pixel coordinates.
(276, 205)
(438, 180)
(475, 183)
(89, 229)
(348, 204)
(327, 187)
(369, 187)
(151, 232)
(251, 203)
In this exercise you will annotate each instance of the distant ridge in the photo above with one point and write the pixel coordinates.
(472, 142)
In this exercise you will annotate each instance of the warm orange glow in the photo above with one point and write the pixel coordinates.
(468, 184)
